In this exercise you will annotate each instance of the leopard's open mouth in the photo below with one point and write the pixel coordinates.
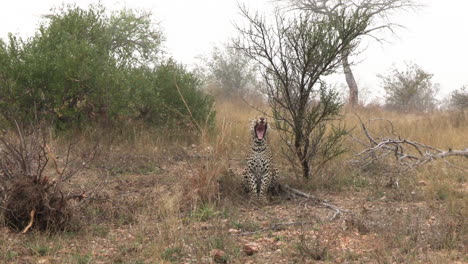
(260, 129)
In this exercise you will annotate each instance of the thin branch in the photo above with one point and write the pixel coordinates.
(319, 201)
(200, 129)
(275, 227)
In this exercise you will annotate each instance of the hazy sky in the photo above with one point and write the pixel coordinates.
(436, 37)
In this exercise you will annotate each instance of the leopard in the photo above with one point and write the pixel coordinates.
(260, 174)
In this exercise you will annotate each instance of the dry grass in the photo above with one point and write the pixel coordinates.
(170, 198)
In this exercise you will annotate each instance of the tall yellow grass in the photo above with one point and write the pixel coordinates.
(440, 129)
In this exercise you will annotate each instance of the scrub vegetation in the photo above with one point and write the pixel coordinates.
(110, 152)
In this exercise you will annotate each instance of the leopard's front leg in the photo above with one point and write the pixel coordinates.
(245, 180)
(264, 187)
(249, 183)
(274, 185)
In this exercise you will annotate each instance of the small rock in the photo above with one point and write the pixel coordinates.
(233, 231)
(42, 261)
(413, 193)
(422, 183)
(194, 146)
(218, 256)
(268, 240)
(205, 226)
(251, 248)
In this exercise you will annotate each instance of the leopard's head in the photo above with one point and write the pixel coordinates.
(259, 129)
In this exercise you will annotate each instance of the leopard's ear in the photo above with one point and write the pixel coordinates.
(271, 125)
(252, 123)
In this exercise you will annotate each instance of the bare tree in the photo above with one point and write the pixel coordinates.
(372, 15)
(294, 53)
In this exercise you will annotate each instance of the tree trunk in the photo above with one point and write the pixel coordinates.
(305, 169)
(353, 89)
(301, 156)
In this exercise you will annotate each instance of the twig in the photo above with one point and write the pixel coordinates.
(91, 194)
(4, 208)
(49, 151)
(187, 107)
(276, 226)
(319, 201)
(456, 166)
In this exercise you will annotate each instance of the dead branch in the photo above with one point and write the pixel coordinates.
(275, 227)
(49, 151)
(68, 171)
(23, 154)
(317, 200)
(89, 195)
(421, 154)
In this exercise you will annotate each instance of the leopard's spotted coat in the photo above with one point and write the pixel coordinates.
(260, 176)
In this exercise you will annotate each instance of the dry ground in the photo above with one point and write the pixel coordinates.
(160, 200)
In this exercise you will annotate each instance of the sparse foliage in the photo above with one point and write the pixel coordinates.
(459, 98)
(410, 89)
(233, 72)
(371, 15)
(294, 54)
(32, 198)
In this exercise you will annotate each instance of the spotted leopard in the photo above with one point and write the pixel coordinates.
(260, 176)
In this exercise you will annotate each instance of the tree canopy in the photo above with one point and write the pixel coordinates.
(409, 89)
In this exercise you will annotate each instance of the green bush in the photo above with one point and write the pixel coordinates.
(86, 65)
(411, 89)
(157, 99)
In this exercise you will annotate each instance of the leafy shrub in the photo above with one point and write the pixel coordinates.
(410, 89)
(87, 65)
(459, 98)
(171, 95)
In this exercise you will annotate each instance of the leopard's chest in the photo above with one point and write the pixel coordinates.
(259, 164)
